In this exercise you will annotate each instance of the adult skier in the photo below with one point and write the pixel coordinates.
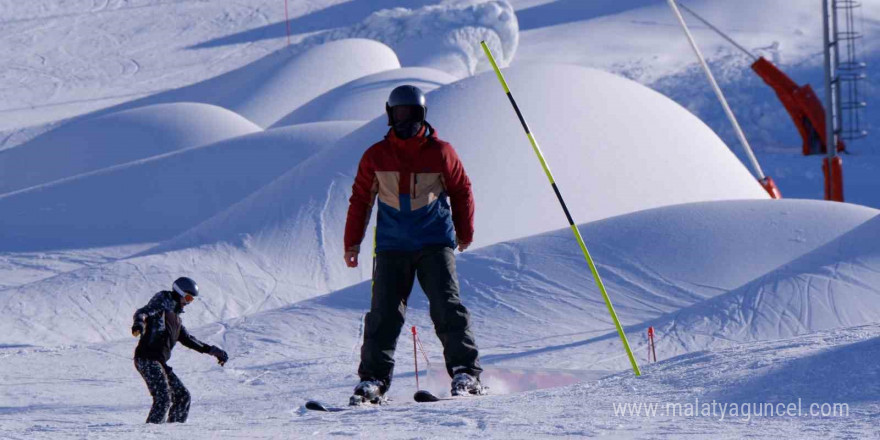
(159, 326)
(412, 172)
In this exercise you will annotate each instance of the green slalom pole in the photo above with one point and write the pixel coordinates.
(577, 233)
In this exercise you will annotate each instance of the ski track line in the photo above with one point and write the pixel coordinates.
(96, 9)
(96, 324)
(321, 233)
(103, 11)
(79, 101)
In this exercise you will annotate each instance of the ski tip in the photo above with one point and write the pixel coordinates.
(425, 396)
(314, 405)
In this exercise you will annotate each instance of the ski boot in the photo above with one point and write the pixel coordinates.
(368, 391)
(464, 384)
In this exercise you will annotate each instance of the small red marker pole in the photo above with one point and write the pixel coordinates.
(651, 349)
(415, 356)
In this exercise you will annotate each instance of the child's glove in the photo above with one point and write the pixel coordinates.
(218, 353)
(137, 329)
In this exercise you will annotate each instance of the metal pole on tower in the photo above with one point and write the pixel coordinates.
(832, 164)
(765, 181)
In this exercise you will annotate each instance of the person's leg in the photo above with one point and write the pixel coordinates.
(393, 279)
(436, 271)
(180, 398)
(157, 383)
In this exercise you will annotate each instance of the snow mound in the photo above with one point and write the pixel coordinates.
(283, 243)
(91, 144)
(602, 166)
(268, 89)
(653, 263)
(836, 285)
(364, 99)
(648, 260)
(154, 199)
(445, 36)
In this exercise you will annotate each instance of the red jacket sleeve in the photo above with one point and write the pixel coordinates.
(360, 205)
(458, 186)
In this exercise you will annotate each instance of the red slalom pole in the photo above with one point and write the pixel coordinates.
(415, 356)
(651, 343)
(287, 22)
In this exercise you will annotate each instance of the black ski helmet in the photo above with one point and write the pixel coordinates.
(185, 286)
(409, 96)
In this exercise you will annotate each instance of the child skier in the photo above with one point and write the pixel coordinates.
(159, 326)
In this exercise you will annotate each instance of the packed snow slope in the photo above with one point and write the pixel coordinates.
(116, 138)
(832, 286)
(539, 288)
(651, 268)
(154, 199)
(261, 391)
(83, 56)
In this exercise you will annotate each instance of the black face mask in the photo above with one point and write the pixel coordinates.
(407, 129)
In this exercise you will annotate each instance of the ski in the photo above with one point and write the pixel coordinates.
(425, 396)
(422, 396)
(315, 405)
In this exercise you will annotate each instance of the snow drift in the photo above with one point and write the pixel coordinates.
(266, 90)
(283, 242)
(648, 260)
(292, 229)
(90, 144)
(831, 287)
(364, 98)
(154, 199)
(602, 166)
(445, 36)
(654, 263)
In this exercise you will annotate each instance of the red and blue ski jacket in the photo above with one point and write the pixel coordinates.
(414, 179)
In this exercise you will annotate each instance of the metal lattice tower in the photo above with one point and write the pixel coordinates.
(850, 69)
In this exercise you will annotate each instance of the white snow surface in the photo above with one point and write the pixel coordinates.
(362, 98)
(266, 90)
(444, 36)
(643, 40)
(148, 139)
(261, 391)
(154, 199)
(91, 144)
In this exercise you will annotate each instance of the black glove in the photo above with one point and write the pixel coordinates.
(137, 329)
(218, 353)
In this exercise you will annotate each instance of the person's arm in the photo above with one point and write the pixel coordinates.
(363, 196)
(458, 186)
(191, 342)
(157, 305)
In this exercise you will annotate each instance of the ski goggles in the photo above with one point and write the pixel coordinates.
(408, 113)
(188, 298)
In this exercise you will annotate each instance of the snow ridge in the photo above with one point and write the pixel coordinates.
(445, 36)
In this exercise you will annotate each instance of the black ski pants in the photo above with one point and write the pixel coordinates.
(393, 277)
(167, 390)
